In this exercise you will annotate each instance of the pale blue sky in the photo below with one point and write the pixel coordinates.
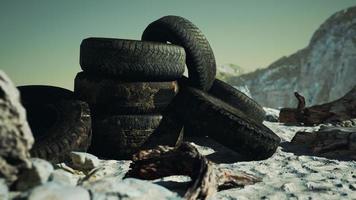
(40, 39)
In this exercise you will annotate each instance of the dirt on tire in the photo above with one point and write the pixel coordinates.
(120, 136)
(111, 96)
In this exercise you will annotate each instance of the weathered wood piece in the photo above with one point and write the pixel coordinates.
(330, 142)
(186, 160)
(339, 110)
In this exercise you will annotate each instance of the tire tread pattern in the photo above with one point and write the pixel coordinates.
(131, 59)
(238, 100)
(225, 124)
(119, 136)
(200, 58)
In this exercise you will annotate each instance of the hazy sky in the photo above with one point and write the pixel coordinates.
(40, 39)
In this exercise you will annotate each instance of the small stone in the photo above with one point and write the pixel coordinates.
(84, 161)
(16, 138)
(319, 186)
(290, 187)
(4, 190)
(36, 175)
(63, 177)
(52, 190)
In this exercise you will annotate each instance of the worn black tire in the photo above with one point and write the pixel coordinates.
(41, 94)
(120, 136)
(131, 59)
(59, 123)
(225, 124)
(200, 58)
(237, 99)
(111, 96)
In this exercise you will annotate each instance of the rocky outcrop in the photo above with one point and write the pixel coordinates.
(15, 135)
(321, 72)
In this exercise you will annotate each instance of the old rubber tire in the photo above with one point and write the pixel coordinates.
(237, 99)
(40, 94)
(200, 58)
(120, 136)
(59, 123)
(131, 59)
(225, 124)
(112, 96)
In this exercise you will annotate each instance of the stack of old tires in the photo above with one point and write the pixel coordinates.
(138, 97)
(128, 84)
(207, 106)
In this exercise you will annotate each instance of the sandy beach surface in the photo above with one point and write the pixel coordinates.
(289, 174)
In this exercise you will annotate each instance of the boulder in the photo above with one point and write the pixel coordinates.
(16, 138)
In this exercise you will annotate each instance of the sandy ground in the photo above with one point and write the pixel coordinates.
(289, 173)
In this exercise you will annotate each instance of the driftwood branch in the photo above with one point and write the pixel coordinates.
(186, 160)
(301, 101)
(331, 142)
(339, 110)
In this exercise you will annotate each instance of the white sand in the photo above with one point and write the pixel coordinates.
(289, 174)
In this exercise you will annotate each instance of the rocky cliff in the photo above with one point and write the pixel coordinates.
(322, 72)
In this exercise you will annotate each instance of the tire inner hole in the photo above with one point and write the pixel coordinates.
(41, 118)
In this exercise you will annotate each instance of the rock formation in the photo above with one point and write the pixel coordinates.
(321, 72)
(15, 134)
